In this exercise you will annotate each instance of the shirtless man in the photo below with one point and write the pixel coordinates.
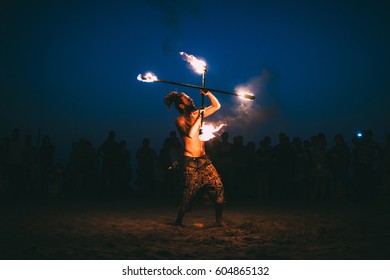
(198, 172)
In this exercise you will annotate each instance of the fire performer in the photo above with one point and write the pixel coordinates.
(197, 171)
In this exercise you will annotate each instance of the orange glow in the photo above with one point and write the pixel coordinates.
(199, 66)
(209, 130)
(148, 77)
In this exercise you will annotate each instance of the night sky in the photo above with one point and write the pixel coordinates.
(69, 68)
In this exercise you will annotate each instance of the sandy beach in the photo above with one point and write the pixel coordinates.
(141, 228)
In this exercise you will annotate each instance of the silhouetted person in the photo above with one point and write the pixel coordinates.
(92, 170)
(46, 164)
(108, 152)
(146, 164)
(170, 154)
(299, 166)
(30, 164)
(3, 165)
(165, 163)
(211, 148)
(198, 173)
(283, 160)
(320, 169)
(307, 177)
(14, 159)
(15, 164)
(386, 169)
(340, 161)
(85, 168)
(263, 169)
(251, 168)
(78, 159)
(224, 163)
(240, 167)
(367, 156)
(124, 171)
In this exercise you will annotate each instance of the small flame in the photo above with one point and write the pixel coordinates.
(199, 66)
(209, 130)
(244, 93)
(148, 77)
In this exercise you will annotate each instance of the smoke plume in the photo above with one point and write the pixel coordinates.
(248, 115)
(172, 11)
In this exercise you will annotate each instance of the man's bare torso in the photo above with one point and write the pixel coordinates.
(193, 147)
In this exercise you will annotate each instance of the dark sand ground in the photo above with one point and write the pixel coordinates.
(141, 229)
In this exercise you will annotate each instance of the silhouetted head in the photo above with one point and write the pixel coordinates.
(225, 136)
(172, 134)
(111, 135)
(368, 134)
(339, 139)
(46, 141)
(28, 139)
(267, 140)
(238, 140)
(283, 138)
(15, 134)
(146, 142)
(297, 142)
(251, 146)
(306, 144)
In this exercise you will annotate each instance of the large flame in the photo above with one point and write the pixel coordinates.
(148, 77)
(199, 66)
(209, 131)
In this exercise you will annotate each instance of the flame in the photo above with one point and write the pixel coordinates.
(199, 66)
(244, 93)
(148, 77)
(209, 130)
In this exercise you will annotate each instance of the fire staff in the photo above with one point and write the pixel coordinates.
(151, 78)
(197, 171)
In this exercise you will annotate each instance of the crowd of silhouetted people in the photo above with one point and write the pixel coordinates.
(315, 169)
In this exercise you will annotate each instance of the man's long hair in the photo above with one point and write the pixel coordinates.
(174, 97)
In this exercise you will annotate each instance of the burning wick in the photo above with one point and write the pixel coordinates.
(199, 66)
(245, 95)
(209, 130)
(148, 77)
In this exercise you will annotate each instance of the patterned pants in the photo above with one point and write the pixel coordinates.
(199, 173)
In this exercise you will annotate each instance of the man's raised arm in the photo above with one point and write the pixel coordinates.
(215, 105)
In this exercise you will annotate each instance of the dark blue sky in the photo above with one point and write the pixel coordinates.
(70, 67)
